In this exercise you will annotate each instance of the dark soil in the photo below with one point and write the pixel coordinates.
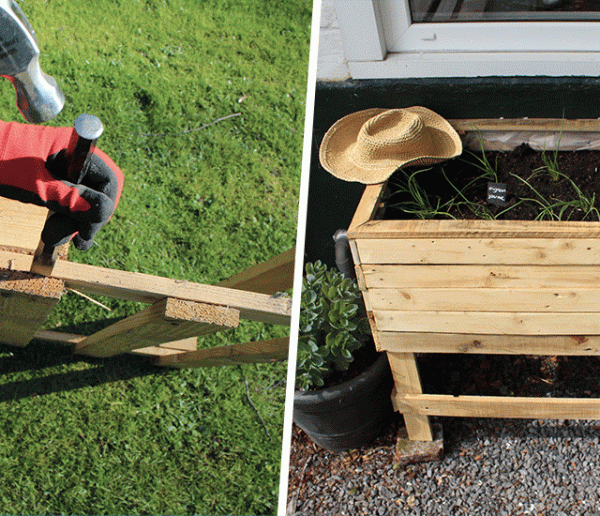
(582, 167)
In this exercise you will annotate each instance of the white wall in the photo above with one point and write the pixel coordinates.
(331, 65)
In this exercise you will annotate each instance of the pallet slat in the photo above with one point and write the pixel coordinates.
(468, 251)
(165, 321)
(25, 303)
(472, 343)
(472, 299)
(247, 352)
(497, 406)
(146, 288)
(491, 323)
(481, 276)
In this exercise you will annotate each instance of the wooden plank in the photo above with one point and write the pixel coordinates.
(167, 320)
(25, 303)
(526, 124)
(482, 276)
(274, 275)
(490, 323)
(146, 288)
(168, 348)
(496, 406)
(20, 225)
(514, 251)
(576, 299)
(437, 229)
(246, 353)
(407, 381)
(368, 205)
(570, 345)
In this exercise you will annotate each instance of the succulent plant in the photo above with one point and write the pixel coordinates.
(333, 325)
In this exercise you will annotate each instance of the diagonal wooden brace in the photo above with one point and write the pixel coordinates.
(263, 351)
(26, 301)
(166, 320)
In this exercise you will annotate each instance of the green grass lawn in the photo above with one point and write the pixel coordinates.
(117, 436)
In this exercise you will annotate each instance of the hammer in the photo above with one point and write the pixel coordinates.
(88, 129)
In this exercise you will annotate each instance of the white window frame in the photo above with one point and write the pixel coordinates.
(381, 42)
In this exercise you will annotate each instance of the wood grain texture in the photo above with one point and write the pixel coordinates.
(274, 275)
(526, 124)
(167, 320)
(146, 288)
(471, 343)
(490, 323)
(407, 381)
(20, 225)
(482, 276)
(399, 229)
(496, 406)
(265, 351)
(514, 251)
(25, 303)
(493, 299)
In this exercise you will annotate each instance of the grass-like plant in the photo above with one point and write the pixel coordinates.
(550, 161)
(333, 325)
(413, 197)
(562, 210)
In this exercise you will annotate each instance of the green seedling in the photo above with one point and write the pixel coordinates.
(551, 161)
(418, 202)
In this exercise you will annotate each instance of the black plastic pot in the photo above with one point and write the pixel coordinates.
(349, 415)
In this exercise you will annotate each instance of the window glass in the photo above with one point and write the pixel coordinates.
(431, 11)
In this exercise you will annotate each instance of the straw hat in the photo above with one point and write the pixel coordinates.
(368, 146)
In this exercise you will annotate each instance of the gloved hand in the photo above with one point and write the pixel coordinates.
(33, 170)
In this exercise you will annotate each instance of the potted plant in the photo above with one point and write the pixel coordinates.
(342, 399)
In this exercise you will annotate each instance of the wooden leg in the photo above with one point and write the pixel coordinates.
(407, 381)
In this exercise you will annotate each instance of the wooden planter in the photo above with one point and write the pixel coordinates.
(477, 286)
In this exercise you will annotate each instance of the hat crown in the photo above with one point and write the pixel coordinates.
(391, 136)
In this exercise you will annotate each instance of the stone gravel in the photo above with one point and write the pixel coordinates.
(492, 467)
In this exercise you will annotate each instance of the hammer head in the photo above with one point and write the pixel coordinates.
(39, 97)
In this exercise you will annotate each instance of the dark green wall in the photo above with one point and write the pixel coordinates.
(331, 202)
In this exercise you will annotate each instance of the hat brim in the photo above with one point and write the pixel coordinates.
(336, 148)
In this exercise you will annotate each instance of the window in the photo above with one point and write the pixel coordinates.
(469, 38)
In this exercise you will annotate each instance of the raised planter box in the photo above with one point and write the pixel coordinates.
(478, 286)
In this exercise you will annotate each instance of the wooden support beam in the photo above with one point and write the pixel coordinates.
(246, 353)
(274, 275)
(498, 406)
(25, 303)
(408, 381)
(146, 288)
(167, 320)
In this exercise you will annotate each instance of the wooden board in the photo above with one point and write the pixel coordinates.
(25, 303)
(146, 288)
(490, 323)
(494, 299)
(481, 276)
(573, 345)
(248, 352)
(474, 250)
(167, 320)
(483, 229)
(270, 277)
(497, 406)
(20, 225)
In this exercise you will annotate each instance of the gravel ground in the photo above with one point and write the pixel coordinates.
(492, 466)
